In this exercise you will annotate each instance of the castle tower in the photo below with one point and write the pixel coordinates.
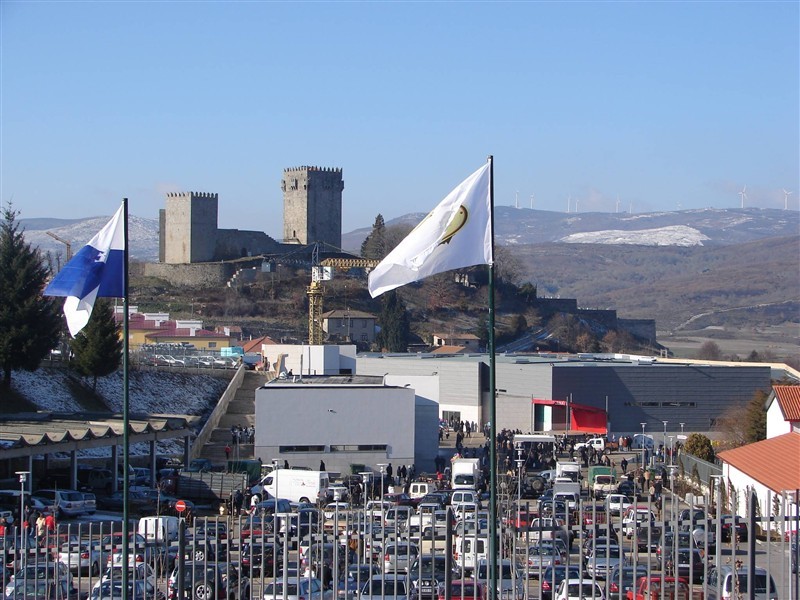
(189, 227)
(312, 205)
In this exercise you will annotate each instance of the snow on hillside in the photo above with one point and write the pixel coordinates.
(675, 235)
(151, 392)
(142, 236)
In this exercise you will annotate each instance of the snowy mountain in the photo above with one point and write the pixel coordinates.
(673, 235)
(142, 235)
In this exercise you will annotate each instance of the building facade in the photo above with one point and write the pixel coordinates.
(351, 423)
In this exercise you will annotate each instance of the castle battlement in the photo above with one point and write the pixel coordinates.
(189, 195)
(308, 168)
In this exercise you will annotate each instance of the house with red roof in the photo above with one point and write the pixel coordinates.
(770, 468)
(783, 410)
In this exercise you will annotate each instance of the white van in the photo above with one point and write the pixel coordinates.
(159, 529)
(468, 551)
(419, 489)
(460, 497)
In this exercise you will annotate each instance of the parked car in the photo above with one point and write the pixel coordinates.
(725, 579)
(553, 576)
(732, 523)
(79, 555)
(579, 589)
(202, 581)
(464, 589)
(381, 587)
(622, 579)
(297, 588)
(651, 587)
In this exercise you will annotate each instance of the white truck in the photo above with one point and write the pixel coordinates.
(465, 473)
(569, 469)
(296, 485)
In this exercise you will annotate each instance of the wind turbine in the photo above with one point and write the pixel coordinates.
(576, 204)
(743, 195)
(531, 200)
(617, 202)
(516, 199)
(569, 202)
(786, 195)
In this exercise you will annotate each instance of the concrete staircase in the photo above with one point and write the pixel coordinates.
(241, 411)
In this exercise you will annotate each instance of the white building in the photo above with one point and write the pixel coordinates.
(770, 468)
(350, 422)
(783, 410)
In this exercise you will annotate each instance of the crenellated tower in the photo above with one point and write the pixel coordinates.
(189, 227)
(312, 205)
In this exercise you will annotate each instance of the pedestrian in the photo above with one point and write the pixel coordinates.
(322, 465)
(238, 498)
(285, 464)
(624, 465)
(227, 452)
(50, 523)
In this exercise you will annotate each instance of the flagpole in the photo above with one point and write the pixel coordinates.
(125, 407)
(492, 407)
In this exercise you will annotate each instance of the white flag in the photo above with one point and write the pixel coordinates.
(455, 234)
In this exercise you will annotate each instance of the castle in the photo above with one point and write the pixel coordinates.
(312, 212)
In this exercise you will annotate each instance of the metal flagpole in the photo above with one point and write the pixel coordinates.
(492, 408)
(125, 407)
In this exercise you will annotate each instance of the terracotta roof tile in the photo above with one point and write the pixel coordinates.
(789, 400)
(781, 452)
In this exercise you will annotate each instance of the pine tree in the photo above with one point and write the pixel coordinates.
(98, 347)
(374, 245)
(30, 323)
(756, 418)
(395, 328)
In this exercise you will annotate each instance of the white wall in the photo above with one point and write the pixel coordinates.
(776, 422)
(314, 360)
(335, 415)
(741, 481)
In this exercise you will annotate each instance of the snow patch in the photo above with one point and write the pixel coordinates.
(675, 235)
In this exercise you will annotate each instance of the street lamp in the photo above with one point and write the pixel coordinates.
(717, 479)
(382, 467)
(682, 424)
(665, 437)
(643, 426)
(23, 477)
(274, 528)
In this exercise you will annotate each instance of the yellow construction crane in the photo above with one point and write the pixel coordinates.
(323, 271)
(63, 241)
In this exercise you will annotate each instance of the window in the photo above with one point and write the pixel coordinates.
(309, 448)
(364, 337)
(359, 448)
(212, 344)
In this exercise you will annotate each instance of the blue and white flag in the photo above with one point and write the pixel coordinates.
(96, 271)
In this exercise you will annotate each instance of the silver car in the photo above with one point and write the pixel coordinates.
(381, 587)
(399, 556)
(296, 588)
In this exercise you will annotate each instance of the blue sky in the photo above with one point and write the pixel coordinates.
(665, 105)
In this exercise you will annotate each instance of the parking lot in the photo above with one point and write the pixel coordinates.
(424, 547)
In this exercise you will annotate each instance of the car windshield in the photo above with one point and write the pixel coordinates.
(582, 589)
(760, 582)
(389, 587)
(466, 589)
(195, 573)
(505, 572)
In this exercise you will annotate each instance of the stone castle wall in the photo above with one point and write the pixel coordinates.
(312, 205)
(192, 275)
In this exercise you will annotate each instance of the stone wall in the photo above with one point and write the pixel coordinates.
(312, 205)
(192, 275)
(233, 243)
(641, 328)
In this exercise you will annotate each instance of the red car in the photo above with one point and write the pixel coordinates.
(673, 589)
(471, 590)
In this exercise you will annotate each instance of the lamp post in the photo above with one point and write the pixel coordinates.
(682, 424)
(665, 437)
(23, 477)
(643, 426)
(382, 467)
(274, 529)
(718, 533)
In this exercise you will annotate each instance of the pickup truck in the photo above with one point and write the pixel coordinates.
(673, 589)
(599, 444)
